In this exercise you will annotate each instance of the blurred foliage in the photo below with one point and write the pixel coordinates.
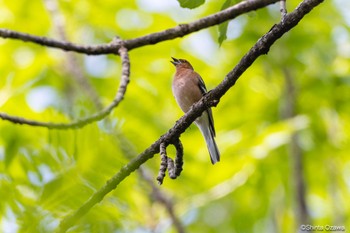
(47, 174)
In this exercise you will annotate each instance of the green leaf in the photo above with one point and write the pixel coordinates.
(223, 26)
(191, 4)
(222, 32)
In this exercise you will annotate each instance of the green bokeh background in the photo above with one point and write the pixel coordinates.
(47, 174)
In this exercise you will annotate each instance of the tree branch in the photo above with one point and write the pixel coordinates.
(261, 47)
(295, 153)
(168, 34)
(124, 80)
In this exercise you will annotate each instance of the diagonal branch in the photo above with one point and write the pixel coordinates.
(260, 48)
(124, 81)
(168, 34)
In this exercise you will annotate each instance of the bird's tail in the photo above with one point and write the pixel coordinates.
(211, 144)
(213, 149)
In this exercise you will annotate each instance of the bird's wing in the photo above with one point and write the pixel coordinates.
(201, 84)
(203, 89)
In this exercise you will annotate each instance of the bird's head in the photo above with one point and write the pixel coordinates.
(181, 63)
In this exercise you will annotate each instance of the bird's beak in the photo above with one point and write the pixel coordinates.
(175, 61)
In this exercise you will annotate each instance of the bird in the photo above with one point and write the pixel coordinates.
(188, 87)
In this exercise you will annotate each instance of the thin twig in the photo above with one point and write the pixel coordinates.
(179, 157)
(260, 48)
(163, 163)
(171, 168)
(124, 80)
(73, 68)
(283, 8)
(168, 34)
(167, 163)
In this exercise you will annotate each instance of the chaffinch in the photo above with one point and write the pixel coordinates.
(188, 88)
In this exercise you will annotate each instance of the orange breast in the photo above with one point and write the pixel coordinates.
(187, 91)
